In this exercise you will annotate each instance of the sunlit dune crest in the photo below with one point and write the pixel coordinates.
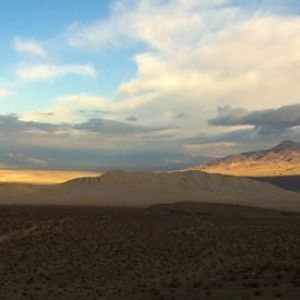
(41, 176)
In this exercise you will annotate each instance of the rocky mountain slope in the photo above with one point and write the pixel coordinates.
(282, 160)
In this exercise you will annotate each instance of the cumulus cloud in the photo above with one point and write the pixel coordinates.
(134, 20)
(71, 108)
(192, 57)
(29, 47)
(199, 55)
(45, 71)
(265, 121)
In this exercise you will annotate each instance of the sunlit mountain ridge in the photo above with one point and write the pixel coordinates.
(282, 160)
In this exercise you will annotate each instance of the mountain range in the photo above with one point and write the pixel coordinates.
(282, 160)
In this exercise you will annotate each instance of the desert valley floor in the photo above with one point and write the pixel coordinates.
(183, 251)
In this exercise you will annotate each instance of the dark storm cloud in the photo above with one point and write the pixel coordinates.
(12, 124)
(265, 121)
(113, 127)
(245, 138)
(112, 144)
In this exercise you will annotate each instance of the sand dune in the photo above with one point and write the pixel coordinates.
(119, 188)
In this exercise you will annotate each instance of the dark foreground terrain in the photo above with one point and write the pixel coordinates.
(110, 253)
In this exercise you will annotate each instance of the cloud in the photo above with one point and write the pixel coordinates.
(29, 47)
(237, 140)
(197, 56)
(71, 108)
(45, 71)
(248, 130)
(265, 121)
(131, 119)
(191, 57)
(13, 124)
(134, 21)
(95, 143)
(113, 127)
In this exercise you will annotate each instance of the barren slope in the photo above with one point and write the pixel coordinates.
(282, 160)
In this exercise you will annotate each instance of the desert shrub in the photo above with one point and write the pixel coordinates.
(257, 293)
(252, 284)
(197, 284)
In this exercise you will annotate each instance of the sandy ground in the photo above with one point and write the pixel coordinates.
(41, 177)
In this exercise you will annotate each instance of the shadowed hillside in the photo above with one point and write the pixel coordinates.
(291, 183)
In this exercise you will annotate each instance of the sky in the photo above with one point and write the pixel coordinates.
(148, 84)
